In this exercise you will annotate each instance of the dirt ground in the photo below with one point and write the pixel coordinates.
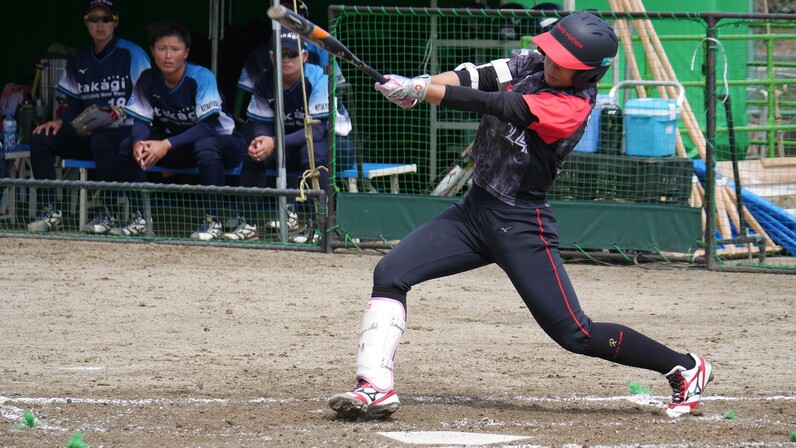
(145, 345)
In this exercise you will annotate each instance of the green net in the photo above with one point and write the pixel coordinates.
(617, 159)
(183, 212)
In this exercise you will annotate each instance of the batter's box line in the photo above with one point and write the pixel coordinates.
(4, 401)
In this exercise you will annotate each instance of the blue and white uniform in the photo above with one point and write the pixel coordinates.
(173, 111)
(261, 106)
(258, 62)
(191, 116)
(261, 111)
(104, 78)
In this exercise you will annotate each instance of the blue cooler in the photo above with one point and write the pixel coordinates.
(588, 143)
(650, 126)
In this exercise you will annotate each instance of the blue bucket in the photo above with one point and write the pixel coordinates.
(591, 136)
(650, 127)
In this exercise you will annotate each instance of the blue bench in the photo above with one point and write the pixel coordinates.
(371, 171)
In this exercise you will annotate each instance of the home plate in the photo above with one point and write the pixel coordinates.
(449, 437)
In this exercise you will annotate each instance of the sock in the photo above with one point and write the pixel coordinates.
(623, 345)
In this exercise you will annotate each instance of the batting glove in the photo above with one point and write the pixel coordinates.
(403, 91)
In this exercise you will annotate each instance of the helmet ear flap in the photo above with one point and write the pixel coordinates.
(585, 78)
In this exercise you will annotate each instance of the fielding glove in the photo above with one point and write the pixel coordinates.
(94, 117)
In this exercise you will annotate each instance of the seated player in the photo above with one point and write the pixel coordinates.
(103, 75)
(262, 134)
(179, 123)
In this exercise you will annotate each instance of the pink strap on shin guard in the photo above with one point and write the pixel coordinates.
(383, 324)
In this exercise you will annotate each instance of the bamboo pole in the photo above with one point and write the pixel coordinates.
(686, 113)
(627, 45)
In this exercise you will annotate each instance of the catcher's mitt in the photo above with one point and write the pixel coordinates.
(94, 117)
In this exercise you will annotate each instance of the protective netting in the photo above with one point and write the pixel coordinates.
(651, 121)
(415, 41)
(170, 211)
(644, 144)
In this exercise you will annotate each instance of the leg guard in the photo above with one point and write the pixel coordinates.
(383, 324)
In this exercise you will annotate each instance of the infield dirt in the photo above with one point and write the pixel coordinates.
(144, 345)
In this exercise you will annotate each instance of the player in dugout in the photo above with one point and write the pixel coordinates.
(534, 109)
(298, 78)
(101, 75)
(180, 122)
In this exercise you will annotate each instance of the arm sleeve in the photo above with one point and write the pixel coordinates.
(507, 106)
(208, 98)
(296, 139)
(140, 131)
(262, 128)
(204, 128)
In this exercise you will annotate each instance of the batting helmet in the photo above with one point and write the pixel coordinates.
(581, 41)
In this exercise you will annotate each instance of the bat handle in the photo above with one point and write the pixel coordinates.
(376, 75)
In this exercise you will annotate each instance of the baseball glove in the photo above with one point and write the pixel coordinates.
(94, 117)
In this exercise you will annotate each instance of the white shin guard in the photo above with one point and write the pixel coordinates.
(383, 324)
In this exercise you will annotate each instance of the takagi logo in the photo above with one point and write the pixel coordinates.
(570, 37)
(180, 116)
(115, 85)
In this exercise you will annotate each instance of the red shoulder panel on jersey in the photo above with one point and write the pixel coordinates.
(559, 115)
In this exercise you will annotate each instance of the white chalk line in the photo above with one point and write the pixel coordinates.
(14, 413)
(640, 398)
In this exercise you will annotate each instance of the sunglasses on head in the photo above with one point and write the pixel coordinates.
(103, 19)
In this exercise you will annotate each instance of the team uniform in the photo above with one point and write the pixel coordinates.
(103, 79)
(257, 78)
(527, 130)
(258, 62)
(191, 116)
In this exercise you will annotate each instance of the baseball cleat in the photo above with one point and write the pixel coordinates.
(47, 221)
(242, 232)
(209, 229)
(364, 401)
(101, 224)
(687, 386)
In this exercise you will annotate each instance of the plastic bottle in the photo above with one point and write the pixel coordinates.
(10, 133)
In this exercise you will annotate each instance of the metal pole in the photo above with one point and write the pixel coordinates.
(213, 35)
(279, 100)
(710, 137)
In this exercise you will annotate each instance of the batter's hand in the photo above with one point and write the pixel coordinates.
(261, 147)
(399, 90)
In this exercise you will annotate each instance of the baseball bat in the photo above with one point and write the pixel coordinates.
(321, 38)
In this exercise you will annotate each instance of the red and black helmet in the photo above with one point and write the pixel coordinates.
(580, 41)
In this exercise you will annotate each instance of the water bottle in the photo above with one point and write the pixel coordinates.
(10, 132)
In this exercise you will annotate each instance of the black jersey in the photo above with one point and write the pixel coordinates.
(515, 163)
